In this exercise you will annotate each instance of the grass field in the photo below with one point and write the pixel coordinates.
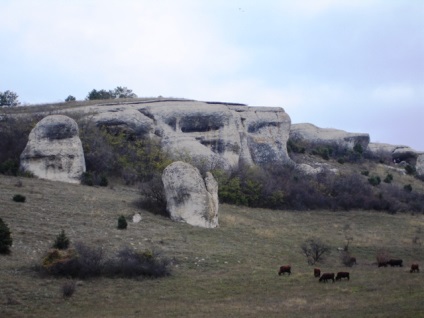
(230, 271)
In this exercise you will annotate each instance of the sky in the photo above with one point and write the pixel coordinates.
(355, 65)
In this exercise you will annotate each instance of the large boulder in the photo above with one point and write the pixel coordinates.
(314, 135)
(54, 150)
(190, 198)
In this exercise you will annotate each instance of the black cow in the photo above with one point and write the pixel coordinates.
(285, 269)
(415, 268)
(326, 276)
(341, 275)
(395, 262)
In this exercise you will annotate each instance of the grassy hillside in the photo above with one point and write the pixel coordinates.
(230, 271)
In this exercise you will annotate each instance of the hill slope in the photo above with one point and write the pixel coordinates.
(230, 271)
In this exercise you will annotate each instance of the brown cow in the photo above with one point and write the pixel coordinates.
(415, 268)
(317, 272)
(285, 269)
(341, 275)
(395, 262)
(326, 276)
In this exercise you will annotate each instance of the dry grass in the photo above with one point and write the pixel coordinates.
(230, 271)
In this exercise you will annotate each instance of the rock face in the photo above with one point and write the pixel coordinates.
(327, 136)
(420, 166)
(210, 134)
(54, 150)
(189, 197)
(397, 153)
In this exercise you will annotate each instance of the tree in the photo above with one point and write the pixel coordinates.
(101, 94)
(314, 250)
(118, 92)
(62, 241)
(70, 98)
(122, 223)
(123, 92)
(5, 238)
(9, 98)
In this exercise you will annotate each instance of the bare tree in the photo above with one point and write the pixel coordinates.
(314, 250)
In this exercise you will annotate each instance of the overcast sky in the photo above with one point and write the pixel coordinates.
(355, 65)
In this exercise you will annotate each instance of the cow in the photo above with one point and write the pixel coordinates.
(317, 272)
(326, 276)
(395, 262)
(285, 269)
(341, 275)
(415, 268)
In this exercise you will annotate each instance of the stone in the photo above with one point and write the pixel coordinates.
(136, 218)
(189, 197)
(54, 150)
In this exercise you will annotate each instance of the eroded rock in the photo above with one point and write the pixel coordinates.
(190, 198)
(54, 150)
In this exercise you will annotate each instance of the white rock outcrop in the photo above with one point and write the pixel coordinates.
(210, 134)
(420, 166)
(190, 198)
(54, 150)
(315, 135)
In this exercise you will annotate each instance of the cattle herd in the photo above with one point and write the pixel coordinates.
(324, 277)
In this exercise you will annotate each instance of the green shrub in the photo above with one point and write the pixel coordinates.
(388, 178)
(410, 169)
(61, 242)
(19, 198)
(365, 173)
(374, 180)
(87, 179)
(5, 238)
(408, 188)
(122, 223)
(103, 181)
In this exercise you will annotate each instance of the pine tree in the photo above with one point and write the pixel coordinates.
(122, 223)
(62, 241)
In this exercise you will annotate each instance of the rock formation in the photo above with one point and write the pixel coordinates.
(210, 134)
(420, 166)
(312, 134)
(189, 197)
(54, 150)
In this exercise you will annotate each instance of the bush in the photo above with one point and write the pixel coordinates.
(347, 259)
(314, 250)
(374, 180)
(86, 262)
(388, 178)
(81, 262)
(410, 169)
(68, 289)
(408, 188)
(130, 263)
(19, 198)
(61, 242)
(122, 223)
(5, 238)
